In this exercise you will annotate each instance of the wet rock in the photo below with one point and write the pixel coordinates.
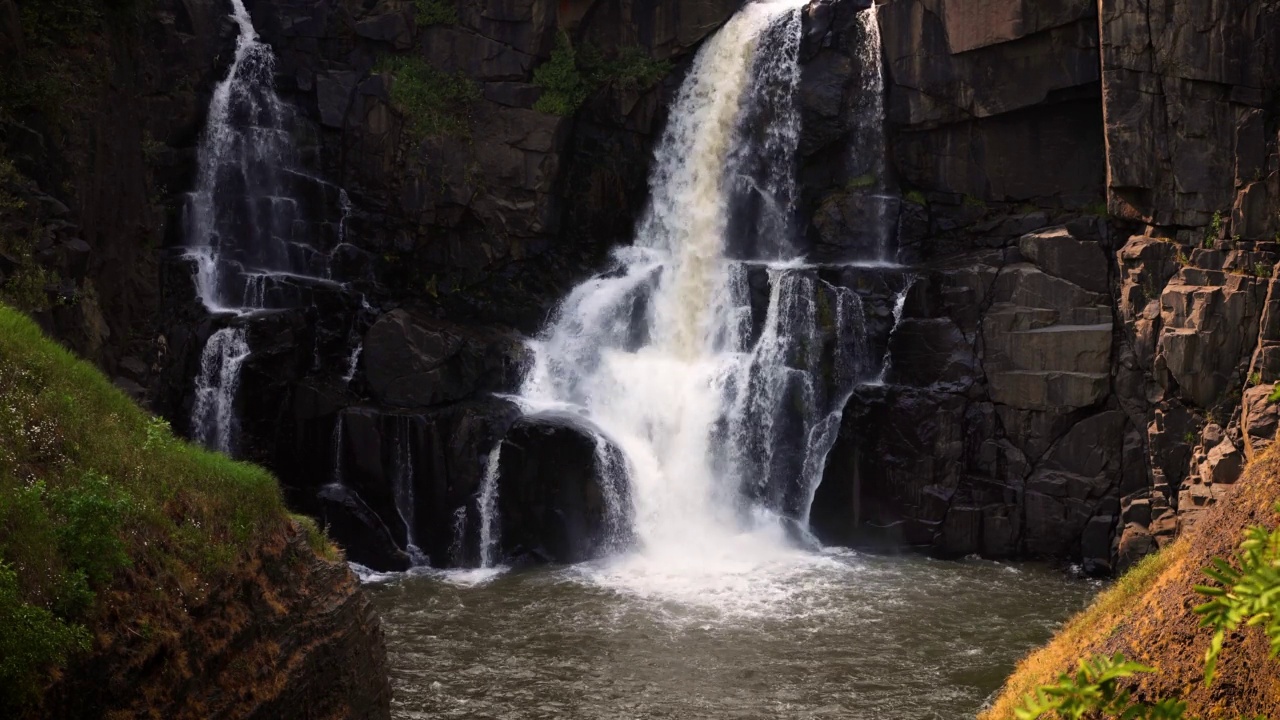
(414, 361)
(562, 492)
(363, 535)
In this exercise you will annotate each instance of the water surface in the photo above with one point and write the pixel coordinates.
(836, 635)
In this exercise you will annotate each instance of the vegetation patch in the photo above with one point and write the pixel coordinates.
(434, 103)
(1163, 642)
(435, 12)
(570, 76)
(99, 500)
(23, 280)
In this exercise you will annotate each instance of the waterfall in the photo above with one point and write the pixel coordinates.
(899, 305)
(402, 487)
(247, 226)
(722, 410)
(487, 503)
(213, 420)
(353, 363)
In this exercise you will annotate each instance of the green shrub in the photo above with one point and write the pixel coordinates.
(563, 87)
(434, 103)
(435, 12)
(33, 641)
(916, 197)
(1214, 231)
(569, 77)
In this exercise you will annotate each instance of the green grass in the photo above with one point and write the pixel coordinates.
(434, 103)
(96, 494)
(1103, 616)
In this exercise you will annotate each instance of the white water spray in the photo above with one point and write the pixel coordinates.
(899, 306)
(722, 418)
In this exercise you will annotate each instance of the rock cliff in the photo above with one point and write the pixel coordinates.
(1083, 196)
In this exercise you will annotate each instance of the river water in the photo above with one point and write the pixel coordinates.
(830, 635)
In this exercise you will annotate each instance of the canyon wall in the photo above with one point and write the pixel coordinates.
(1086, 357)
(1083, 196)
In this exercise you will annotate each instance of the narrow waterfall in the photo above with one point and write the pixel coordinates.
(213, 418)
(402, 487)
(487, 503)
(246, 224)
(899, 306)
(713, 359)
(244, 214)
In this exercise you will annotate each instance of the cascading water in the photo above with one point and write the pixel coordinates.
(244, 214)
(899, 306)
(723, 419)
(246, 223)
(487, 503)
(403, 480)
(213, 419)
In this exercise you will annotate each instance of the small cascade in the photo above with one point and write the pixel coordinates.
(252, 221)
(337, 450)
(213, 417)
(457, 549)
(868, 158)
(402, 487)
(353, 363)
(899, 305)
(487, 504)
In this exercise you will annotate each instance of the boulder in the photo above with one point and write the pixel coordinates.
(362, 534)
(562, 492)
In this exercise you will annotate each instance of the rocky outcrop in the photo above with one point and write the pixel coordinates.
(561, 493)
(288, 635)
(1186, 88)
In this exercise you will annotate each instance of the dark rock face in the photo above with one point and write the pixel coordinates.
(556, 488)
(1062, 384)
(1058, 391)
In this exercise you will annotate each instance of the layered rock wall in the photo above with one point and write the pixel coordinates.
(1072, 378)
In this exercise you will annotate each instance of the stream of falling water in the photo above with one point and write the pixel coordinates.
(245, 223)
(723, 423)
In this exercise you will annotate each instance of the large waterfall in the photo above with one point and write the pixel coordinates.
(711, 356)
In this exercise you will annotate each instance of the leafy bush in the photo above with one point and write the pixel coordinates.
(569, 77)
(33, 640)
(435, 12)
(563, 87)
(435, 103)
(1246, 593)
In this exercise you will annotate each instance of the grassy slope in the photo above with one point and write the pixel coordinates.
(105, 517)
(1147, 615)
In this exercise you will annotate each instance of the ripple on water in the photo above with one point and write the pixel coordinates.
(813, 635)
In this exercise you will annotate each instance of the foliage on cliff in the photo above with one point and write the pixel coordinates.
(570, 76)
(103, 512)
(1150, 618)
(434, 103)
